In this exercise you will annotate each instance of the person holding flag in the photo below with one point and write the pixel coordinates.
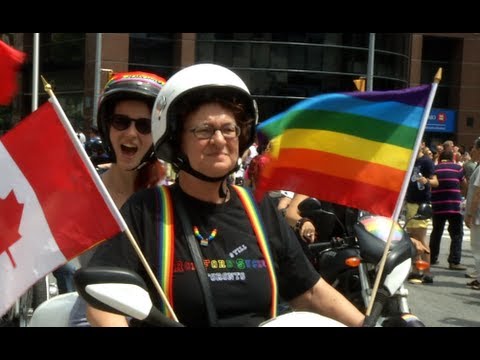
(202, 228)
(50, 211)
(39, 200)
(124, 123)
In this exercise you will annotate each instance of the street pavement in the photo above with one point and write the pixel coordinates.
(448, 302)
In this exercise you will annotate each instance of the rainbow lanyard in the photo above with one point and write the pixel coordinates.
(166, 236)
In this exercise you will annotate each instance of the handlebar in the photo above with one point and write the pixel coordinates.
(333, 243)
(317, 247)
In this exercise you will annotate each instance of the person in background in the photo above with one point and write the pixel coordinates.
(304, 227)
(468, 164)
(419, 191)
(428, 152)
(81, 136)
(204, 120)
(446, 199)
(124, 120)
(99, 156)
(93, 133)
(255, 168)
(448, 145)
(439, 149)
(472, 216)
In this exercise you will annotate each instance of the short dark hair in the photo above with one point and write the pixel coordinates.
(446, 155)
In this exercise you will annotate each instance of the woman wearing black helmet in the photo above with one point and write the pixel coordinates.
(124, 124)
(203, 120)
(127, 100)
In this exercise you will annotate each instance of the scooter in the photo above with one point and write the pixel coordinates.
(350, 263)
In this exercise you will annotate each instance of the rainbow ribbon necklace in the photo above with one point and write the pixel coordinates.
(166, 236)
(203, 241)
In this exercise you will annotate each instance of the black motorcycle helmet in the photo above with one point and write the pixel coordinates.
(94, 147)
(136, 85)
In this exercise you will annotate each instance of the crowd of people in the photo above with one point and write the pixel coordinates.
(444, 178)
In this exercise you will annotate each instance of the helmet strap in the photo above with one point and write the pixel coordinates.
(183, 164)
(146, 158)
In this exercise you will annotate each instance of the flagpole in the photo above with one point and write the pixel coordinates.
(406, 180)
(98, 70)
(371, 56)
(103, 190)
(36, 38)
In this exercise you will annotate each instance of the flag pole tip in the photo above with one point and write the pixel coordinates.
(46, 85)
(438, 76)
(110, 73)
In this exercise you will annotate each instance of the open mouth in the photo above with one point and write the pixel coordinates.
(128, 150)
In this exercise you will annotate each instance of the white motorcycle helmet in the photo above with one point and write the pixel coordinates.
(191, 83)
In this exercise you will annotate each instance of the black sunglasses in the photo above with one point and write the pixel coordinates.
(122, 122)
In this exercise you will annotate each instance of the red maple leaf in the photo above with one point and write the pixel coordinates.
(10, 216)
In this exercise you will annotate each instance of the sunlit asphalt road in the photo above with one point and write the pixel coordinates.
(448, 302)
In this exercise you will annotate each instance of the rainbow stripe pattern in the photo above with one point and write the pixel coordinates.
(348, 148)
(166, 236)
(251, 209)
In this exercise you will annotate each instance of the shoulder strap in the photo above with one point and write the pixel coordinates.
(166, 246)
(255, 219)
(198, 261)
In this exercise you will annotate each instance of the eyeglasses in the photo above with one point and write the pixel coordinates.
(229, 131)
(123, 122)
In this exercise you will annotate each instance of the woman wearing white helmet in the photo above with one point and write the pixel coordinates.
(203, 120)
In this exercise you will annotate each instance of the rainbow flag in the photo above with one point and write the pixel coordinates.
(348, 148)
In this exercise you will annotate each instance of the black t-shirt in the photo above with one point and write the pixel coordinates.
(239, 280)
(426, 167)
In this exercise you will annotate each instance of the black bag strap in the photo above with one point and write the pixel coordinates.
(198, 260)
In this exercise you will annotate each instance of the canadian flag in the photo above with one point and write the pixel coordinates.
(53, 205)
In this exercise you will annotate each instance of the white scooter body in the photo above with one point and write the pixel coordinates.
(54, 312)
(125, 294)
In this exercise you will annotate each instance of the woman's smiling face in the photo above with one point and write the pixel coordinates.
(217, 155)
(130, 145)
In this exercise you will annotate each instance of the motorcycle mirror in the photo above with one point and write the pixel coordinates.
(119, 291)
(310, 207)
(309, 204)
